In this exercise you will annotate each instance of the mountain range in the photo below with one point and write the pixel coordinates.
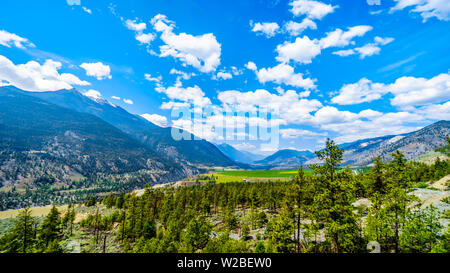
(196, 152)
(66, 134)
(412, 145)
(40, 139)
(237, 155)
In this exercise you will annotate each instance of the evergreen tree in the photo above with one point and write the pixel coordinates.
(334, 195)
(50, 230)
(21, 238)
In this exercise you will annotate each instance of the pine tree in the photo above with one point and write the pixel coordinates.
(334, 195)
(51, 228)
(281, 231)
(21, 238)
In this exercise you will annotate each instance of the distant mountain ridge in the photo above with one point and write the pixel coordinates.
(40, 139)
(285, 159)
(362, 152)
(238, 155)
(188, 152)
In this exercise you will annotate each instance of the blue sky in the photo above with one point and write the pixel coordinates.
(340, 69)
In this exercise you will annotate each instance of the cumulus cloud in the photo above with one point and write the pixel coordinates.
(115, 97)
(224, 76)
(73, 2)
(290, 105)
(181, 74)
(97, 70)
(156, 119)
(374, 2)
(33, 76)
(10, 39)
(351, 126)
(138, 28)
(362, 91)
(268, 29)
(366, 50)
(202, 51)
(302, 50)
(190, 95)
(295, 29)
(435, 111)
(150, 78)
(94, 94)
(311, 9)
(296, 133)
(145, 38)
(87, 10)
(407, 91)
(251, 66)
(426, 8)
(420, 91)
(340, 38)
(284, 74)
(132, 25)
(128, 101)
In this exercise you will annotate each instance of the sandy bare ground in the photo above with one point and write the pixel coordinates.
(441, 184)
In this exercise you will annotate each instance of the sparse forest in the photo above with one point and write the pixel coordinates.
(319, 212)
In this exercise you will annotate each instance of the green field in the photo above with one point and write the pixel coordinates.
(255, 176)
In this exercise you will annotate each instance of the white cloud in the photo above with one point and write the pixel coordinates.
(340, 38)
(407, 91)
(268, 29)
(362, 91)
(182, 74)
(366, 124)
(10, 39)
(435, 111)
(303, 50)
(295, 29)
(150, 78)
(344, 52)
(115, 97)
(98, 70)
(128, 101)
(224, 75)
(366, 50)
(94, 94)
(312, 9)
(132, 25)
(374, 2)
(145, 38)
(236, 71)
(330, 114)
(383, 41)
(156, 119)
(251, 66)
(73, 2)
(420, 91)
(87, 10)
(138, 28)
(427, 8)
(290, 105)
(295, 133)
(202, 51)
(35, 77)
(192, 95)
(284, 74)
(174, 105)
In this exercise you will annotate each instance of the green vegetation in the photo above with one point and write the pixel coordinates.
(249, 176)
(314, 211)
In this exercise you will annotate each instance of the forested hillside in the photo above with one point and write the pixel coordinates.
(46, 148)
(187, 152)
